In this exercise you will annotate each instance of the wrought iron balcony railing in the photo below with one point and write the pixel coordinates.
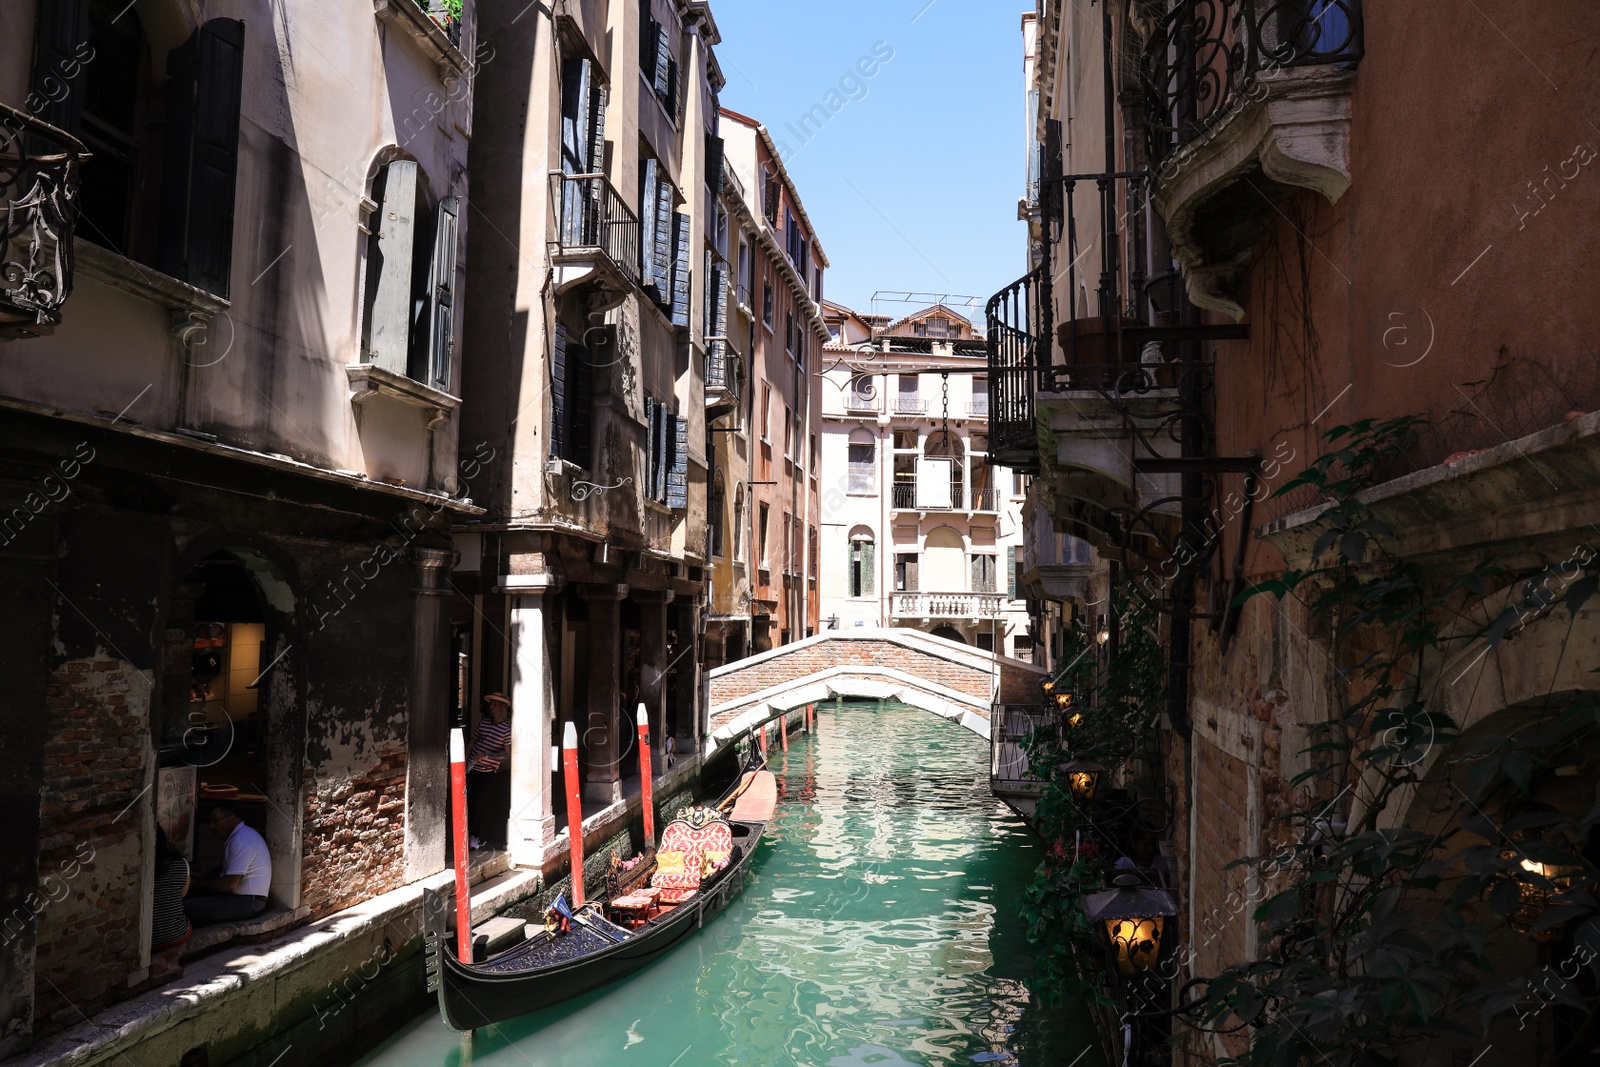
(39, 176)
(1202, 57)
(987, 499)
(910, 405)
(1020, 324)
(903, 496)
(594, 216)
(1011, 727)
(855, 403)
(978, 409)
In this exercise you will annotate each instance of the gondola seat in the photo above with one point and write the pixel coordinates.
(688, 854)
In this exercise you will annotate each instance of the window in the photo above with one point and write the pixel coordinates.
(657, 59)
(980, 400)
(811, 558)
(983, 573)
(905, 572)
(788, 332)
(714, 517)
(907, 402)
(814, 463)
(788, 433)
(571, 400)
(863, 463)
(761, 540)
(791, 229)
(863, 555)
(716, 152)
(408, 302)
(1013, 572)
(985, 642)
(747, 271)
(738, 523)
(159, 196)
(771, 194)
(669, 455)
(766, 304)
(788, 543)
(663, 243)
(1022, 647)
(766, 409)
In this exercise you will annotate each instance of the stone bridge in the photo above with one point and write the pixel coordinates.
(945, 677)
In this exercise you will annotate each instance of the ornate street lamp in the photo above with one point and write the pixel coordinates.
(1083, 778)
(39, 176)
(1131, 919)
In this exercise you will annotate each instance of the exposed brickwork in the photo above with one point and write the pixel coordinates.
(354, 846)
(96, 758)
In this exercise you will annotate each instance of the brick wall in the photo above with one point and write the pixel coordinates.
(91, 850)
(354, 846)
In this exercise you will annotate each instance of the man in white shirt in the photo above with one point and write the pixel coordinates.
(240, 891)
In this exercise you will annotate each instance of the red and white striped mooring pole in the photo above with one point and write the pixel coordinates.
(569, 775)
(645, 782)
(458, 811)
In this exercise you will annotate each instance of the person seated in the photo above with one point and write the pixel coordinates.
(169, 925)
(240, 890)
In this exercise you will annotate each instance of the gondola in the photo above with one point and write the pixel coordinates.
(593, 947)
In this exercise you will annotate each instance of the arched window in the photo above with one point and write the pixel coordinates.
(714, 516)
(863, 563)
(863, 462)
(408, 299)
(944, 561)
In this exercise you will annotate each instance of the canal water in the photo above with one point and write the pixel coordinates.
(879, 928)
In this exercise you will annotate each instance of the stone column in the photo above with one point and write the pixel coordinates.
(428, 721)
(653, 667)
(532, 827)
(598, 731)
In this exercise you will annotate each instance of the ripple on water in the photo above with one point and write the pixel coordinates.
(880, 928)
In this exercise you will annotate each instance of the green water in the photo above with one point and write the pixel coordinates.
(879, 928)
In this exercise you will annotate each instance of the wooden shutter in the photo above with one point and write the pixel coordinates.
(663, 239)
(441, 295)
(715, 151)
(678, 473)
(649, 178)
(388, 333)
(1011, 573)
(575, 132)
(202, 156)
(1051, 196)
(61, 45)
(580, 406)
(913, 562)
(558, 394)
(680, 269)
(663, 69)
(675, 94)
(869, 568)
(599, 96)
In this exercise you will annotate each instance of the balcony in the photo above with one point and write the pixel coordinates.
(978, 408)
(947, 605)
(910, 405)
(1011, 727)
(39, 175)
(597, 242)
(903, 496)
(1236, 91)
(722, 377)
(985, 499)
(856, 404)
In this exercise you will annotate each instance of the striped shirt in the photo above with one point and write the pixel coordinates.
(169, 925)
(490, 746)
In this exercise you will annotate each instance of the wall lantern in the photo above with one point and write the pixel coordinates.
(1063, 700)
(1131, 918)
(1544, 882)
(1103, 636)
(1083, 778)
(1048, 685)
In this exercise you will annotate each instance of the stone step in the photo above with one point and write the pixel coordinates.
(495, 936)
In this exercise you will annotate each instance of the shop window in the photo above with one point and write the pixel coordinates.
(159, 188)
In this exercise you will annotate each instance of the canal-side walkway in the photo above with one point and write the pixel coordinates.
(328, 989)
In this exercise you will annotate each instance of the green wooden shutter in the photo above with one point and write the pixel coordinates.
(869, 568)
(1011, 572)
(389, 328)
(680, 270)
(678, 474)
(649, 178)
(441, 294)
(61, 41)
(715, 151)
(558, 393)
(202, 157)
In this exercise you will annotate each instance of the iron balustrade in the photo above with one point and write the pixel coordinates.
(978, 409)
(903, 496)
(987, 499)
(595, 216)
(1202, 57)
(1011, 727)
(1019, 318)
(39, 177)
(910, 405)
(856, 403)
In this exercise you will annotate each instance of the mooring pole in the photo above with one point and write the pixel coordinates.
(783, 731)
(569, 774)
(458, 794)
(646, 785)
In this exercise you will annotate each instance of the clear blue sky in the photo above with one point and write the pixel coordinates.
(913, 185)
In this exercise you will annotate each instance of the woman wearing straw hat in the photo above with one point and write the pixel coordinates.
(491, 747)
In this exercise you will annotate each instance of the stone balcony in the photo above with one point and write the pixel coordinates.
(947, 605)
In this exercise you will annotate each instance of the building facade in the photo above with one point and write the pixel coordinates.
(1245, 232)
(919, 529)
(581, 591)
(229, 461)
(770, 525)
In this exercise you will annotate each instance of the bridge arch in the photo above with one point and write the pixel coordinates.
(949, 679)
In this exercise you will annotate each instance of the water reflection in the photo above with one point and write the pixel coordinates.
(879, 928)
